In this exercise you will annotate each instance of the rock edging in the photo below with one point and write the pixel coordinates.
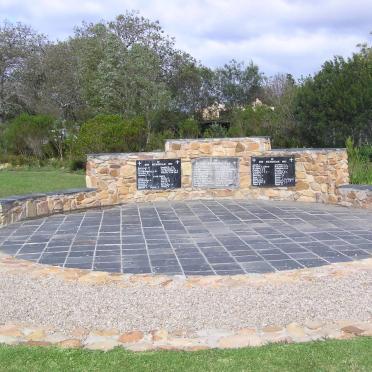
(161, 339)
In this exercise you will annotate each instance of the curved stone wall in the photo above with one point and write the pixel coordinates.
(21, 207)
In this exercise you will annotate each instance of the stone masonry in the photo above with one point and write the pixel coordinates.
(359, 196)
(321, 176)
(319, 172)
(21, 207)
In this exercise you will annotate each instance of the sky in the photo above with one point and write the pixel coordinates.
(280, 36)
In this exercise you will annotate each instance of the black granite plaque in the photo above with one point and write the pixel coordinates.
(273, 171)
(161, 174)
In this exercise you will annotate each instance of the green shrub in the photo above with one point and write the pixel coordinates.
(28, 134)
(110, 133)
(189, 128)
(20, 160)
(366, 152)
(157, 140)
(215, 131)
(77, 165)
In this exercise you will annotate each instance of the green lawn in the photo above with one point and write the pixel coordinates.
(347, 355)
(13, 182)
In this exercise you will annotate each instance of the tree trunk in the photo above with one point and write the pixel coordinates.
(148, 122)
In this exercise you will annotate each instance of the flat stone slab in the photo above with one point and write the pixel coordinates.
(206, 237)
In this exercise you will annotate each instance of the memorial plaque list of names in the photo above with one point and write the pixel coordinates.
(215, 173)
(161, 174)
(273, 171)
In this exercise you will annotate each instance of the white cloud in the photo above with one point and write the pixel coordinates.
(279, 35)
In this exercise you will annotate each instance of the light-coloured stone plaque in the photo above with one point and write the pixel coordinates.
(215, 173)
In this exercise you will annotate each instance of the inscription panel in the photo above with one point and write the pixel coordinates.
(160, 174)
(273, 171)
(215, 173)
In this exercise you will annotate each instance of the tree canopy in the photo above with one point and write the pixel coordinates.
(122, 85)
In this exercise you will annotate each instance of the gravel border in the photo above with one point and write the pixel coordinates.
(67, 299)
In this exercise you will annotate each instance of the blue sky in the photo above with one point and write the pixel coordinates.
(294, 36)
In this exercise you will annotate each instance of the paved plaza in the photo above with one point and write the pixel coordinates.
(206, 237)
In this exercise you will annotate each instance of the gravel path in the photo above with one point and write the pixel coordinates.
(67, 305)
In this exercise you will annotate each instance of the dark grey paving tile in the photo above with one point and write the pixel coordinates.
(230, 272)
(201, 273)
(221, 260)
(162, 262)
(109, 247)
(78, 260)
(274, 257)
(29, 256)
(170, 269)
(192, 261)
(129, 247)
(186, 254)
(356, 254)
(133, 252)
(257, 267)
(24, 250)
(196, 267)
(312, 262)
(286, 265)
(136, 270)
(251, 258)
(81, 254)
(220, 252)
(303, 255)
(86, 266)
(54, 261)
(226, 266)
(107, 266)
(338, 259)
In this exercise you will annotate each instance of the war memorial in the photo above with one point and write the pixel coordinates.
(212, 214)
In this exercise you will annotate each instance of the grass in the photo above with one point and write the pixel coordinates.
(360, 163)
(360, 172)
(332, 355)
(24, 181)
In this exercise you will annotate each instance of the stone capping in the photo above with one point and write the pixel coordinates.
(128, 155)
(353, 187)
(125, 155)
(34, 196)
(309, 149)
(197, 140)
(21, 207)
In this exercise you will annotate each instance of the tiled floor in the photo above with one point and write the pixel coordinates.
(195, 238)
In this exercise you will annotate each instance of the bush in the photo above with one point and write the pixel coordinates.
(360, 166)
(28, 134)
(157, 140)
(77, 164)
(110, 133)
(189, 128)
(366, 153)
(20, 160)
(215, 131)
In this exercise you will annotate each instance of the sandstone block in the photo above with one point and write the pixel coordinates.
(130, 337)
(238, 341)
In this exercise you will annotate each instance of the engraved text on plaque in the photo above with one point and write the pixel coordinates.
(215, 173)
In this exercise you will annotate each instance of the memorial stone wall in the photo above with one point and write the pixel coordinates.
(212, 168)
